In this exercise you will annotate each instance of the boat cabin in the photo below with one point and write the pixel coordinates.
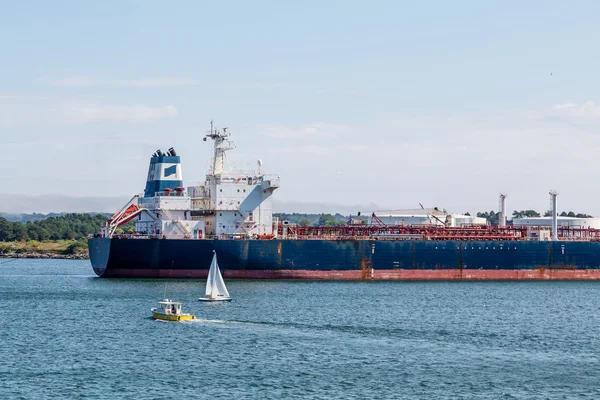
(169, 307)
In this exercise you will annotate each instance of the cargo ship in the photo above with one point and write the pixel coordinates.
(177, 229)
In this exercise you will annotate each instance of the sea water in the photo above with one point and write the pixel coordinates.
(65, 333)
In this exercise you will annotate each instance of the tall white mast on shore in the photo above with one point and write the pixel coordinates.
(502, 219)
(553, 197)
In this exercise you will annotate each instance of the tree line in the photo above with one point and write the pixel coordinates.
(65, 227)
(313, 219)
(494, 217)
(79, 226)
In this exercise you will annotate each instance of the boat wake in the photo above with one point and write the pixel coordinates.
(211, 321)
(220, 321)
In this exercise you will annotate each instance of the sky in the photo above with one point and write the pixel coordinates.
(366, 105)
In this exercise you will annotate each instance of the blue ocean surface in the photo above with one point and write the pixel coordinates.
(68, 334)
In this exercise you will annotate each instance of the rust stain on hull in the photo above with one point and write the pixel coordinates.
(383, 275)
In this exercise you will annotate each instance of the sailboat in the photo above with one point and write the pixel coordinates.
(215, 286)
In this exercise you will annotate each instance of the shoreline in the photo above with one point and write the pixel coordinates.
(45, 255)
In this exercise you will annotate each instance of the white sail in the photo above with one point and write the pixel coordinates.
(220, 283)
(211, 277)
(215, 286)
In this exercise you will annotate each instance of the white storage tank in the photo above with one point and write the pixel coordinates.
(565, 222)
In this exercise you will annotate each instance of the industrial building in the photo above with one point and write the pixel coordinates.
(563, 222)
(421, 217)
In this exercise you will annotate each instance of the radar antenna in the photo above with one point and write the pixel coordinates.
(220, 147)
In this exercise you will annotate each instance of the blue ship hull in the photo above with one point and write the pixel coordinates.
(345, 259)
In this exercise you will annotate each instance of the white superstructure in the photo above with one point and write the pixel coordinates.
(229, 203)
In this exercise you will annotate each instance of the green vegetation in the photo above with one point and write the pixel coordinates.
(305, 222)
(58, 247)
(548, 213)
(572, 214)
(61, 235)
(66, 227)
(330, 220)
(525, 213)
(313, 219)
(492, 217)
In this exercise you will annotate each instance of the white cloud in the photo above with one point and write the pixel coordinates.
(353, 147)
(86, 81)
(24, 97)
(266, 86)
(73, 112)
(77, 113)
(460, 161)
(315, 130)
(588, 110)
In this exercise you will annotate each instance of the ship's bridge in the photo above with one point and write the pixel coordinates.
(271, 182)
(167, 200)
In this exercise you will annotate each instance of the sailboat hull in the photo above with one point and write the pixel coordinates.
(215, 300)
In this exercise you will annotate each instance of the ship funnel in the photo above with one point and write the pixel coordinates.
(164, 173)
(172, 151)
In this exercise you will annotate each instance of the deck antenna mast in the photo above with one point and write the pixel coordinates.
(221, 146)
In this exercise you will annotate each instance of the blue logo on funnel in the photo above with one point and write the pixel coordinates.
(172, 170)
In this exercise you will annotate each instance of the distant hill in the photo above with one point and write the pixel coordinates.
(24, 218)
(60, 204)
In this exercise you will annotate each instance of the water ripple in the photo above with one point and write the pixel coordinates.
(69, 335)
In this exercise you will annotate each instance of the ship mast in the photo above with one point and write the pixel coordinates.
(221, 146)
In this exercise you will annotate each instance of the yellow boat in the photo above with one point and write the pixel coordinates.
(170, 311)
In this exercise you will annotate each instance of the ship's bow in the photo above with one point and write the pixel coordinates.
(99, 248)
